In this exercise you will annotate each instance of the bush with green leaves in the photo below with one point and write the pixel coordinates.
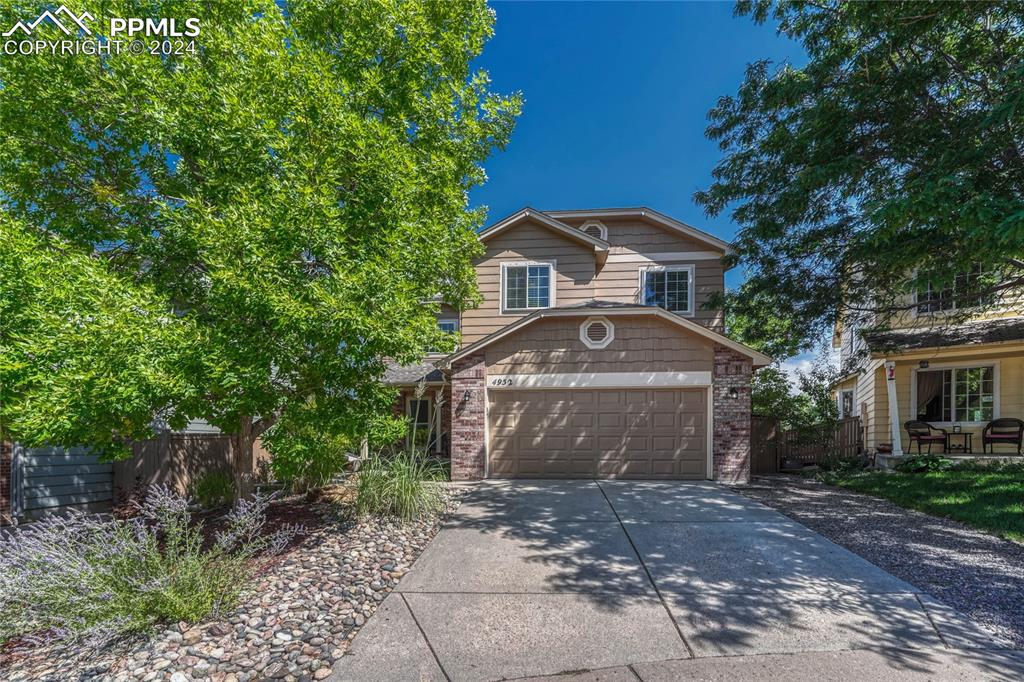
(214, 489)
(923, 463)
(310, 446)
(832, 469)
(404, 484)
(95, 580)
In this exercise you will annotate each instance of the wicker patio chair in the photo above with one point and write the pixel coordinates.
(924, 433)
(1007, 431)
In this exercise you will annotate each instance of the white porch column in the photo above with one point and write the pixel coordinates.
(894, 408)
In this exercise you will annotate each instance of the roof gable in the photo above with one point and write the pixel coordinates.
(651, 216)
(599, 246)
(610, 308)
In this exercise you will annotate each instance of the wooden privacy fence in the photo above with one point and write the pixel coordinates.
(772, 449)
(173, 459)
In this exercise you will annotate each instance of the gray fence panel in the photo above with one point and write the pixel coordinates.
(51, 480)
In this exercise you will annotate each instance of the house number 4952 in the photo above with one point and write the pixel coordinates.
(501, 381)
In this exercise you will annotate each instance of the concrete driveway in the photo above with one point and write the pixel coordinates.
(633, 580)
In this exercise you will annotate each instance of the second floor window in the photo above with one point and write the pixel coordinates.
(448, 325)
(931, 299)
(670, 288)
(527, 286)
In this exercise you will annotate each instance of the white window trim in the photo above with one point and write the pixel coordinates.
(954, 307)
(601, 226)
(603, 343)
(552, 285)
(957, 365)
(458, 324)
(839, 402)
(690, 303)
(430, 418)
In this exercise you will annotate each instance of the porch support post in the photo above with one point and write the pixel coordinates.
(438, 404)
(894, 408)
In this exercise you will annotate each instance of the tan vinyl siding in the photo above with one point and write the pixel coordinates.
(874, 405)
(639, 235)
(641, 344)
(620, 281)
(574, 275)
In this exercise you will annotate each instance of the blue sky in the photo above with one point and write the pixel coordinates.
(616, 101)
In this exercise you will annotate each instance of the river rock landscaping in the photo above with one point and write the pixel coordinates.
(292, 623)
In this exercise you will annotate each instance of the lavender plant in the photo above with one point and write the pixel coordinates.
(96, 580)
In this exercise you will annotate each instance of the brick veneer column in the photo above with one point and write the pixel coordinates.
(731, 438)
(6, 455)
(468, 412)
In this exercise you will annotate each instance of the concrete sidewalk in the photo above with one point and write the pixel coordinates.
(654, 581)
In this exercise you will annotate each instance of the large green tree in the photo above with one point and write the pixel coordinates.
(242, 231)
(893, 158)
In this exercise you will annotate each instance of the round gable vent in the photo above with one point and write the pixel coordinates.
(596, 332)
(595, 229)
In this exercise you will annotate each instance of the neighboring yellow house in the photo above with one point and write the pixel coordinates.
(957, 377)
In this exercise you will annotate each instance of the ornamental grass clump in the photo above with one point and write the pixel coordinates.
(93, 579)
(403, 484)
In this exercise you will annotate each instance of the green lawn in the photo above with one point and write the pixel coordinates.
(990, 499)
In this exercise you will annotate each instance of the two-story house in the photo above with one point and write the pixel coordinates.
(920, 365)
(590, 356)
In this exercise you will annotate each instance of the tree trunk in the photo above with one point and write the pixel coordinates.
(242, 458)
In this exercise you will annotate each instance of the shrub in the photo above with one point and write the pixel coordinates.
(305, 455)
(924, 463)
(214, 489)
(93, 579)
(403, 484)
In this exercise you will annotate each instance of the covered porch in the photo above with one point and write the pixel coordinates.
(424, 397)
(958, 391)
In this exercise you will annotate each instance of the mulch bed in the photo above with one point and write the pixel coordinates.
(978, 574)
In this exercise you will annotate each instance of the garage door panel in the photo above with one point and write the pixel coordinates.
(638, 421)
(691, 469)
(582, 420)
(663, 467)
(664, 444)
(663, 420)
(635, 433)
(554, 442)
(583, 444)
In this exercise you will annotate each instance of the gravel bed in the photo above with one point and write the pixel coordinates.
(292, 623)
(978, 574)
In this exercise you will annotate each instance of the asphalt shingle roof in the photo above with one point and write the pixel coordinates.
(965, 333)
(598, 304)
(400, 375)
